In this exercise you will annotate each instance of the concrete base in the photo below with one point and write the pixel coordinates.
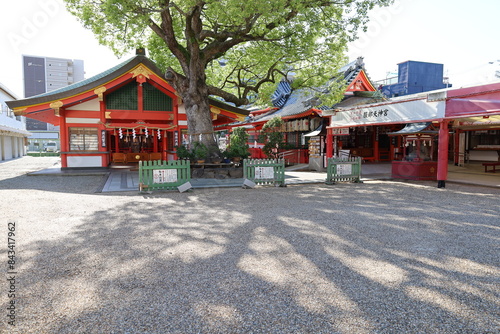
(217, 173)
(316, 164)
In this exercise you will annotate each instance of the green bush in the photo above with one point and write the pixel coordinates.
(238, 144)
(183, 153)
(199, 151)
(272, 136)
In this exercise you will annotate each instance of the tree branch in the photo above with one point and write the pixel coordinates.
(228, 97)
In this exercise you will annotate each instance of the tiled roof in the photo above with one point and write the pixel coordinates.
(299, 101)
(281, 94)
(87, 84)
(102, 78)
(352, 101)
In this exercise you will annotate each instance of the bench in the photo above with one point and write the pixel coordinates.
(119, 157)
(490, 164)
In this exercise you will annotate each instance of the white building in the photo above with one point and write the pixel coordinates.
(13, 134)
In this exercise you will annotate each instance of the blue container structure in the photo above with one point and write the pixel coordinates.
(416, 77)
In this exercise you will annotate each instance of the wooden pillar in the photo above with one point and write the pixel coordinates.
(154, 136)
(329, 143)
(442, 165)
(63, 140)
(140, 93)
(456, 151)
(164, 145)
(117, 140)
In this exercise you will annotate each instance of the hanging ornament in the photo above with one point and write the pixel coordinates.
(120, 133)
(159, 133)
(425, 143)
(146, 132)
(133, 133)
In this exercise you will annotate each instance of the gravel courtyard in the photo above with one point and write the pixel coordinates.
(377, 257)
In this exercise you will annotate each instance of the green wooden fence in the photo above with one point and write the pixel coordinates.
(265, 171)
(163, 175)
(343, 169)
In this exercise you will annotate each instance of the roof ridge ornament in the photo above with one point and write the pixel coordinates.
(141, 72)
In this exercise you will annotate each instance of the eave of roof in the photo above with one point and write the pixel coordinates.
(87, 84)
(7, 91)
(228, 107)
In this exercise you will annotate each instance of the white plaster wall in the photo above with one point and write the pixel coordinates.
(92, 105)
(24, 148)
(15, 148)
(84, 161)
(7, 148)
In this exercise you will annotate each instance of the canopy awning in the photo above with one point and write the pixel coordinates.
(414, 128)
(316, 132)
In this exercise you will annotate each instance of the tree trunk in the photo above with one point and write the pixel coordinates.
(199, 119)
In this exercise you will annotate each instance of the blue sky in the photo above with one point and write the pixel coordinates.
(461, 34)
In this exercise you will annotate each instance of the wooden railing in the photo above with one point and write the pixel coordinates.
(265, 171)
(163, 175)
(343, 169)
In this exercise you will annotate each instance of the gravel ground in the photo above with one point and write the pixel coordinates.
(377, 257)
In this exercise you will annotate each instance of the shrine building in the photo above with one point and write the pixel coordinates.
(125, 114)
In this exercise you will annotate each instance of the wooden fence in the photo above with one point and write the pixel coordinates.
(163, 175)
(343, 169)
(265, 171)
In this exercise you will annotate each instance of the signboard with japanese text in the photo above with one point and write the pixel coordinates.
(164, 175)
(340, 131)
(393, 112)
(344, 169)
(263, 173)
(103, 138)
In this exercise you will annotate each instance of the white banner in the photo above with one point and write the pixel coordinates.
(393, 112)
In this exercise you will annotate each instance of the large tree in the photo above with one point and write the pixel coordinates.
(233, 49)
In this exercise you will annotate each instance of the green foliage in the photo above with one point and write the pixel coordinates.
(238, 144)
(198, 151)
(272, 136)
(183, 153)
(259, 41)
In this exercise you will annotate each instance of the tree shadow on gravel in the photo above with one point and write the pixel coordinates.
(352, 258)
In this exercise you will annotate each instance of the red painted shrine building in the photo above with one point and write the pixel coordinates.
(125, 114)
(305, 124)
